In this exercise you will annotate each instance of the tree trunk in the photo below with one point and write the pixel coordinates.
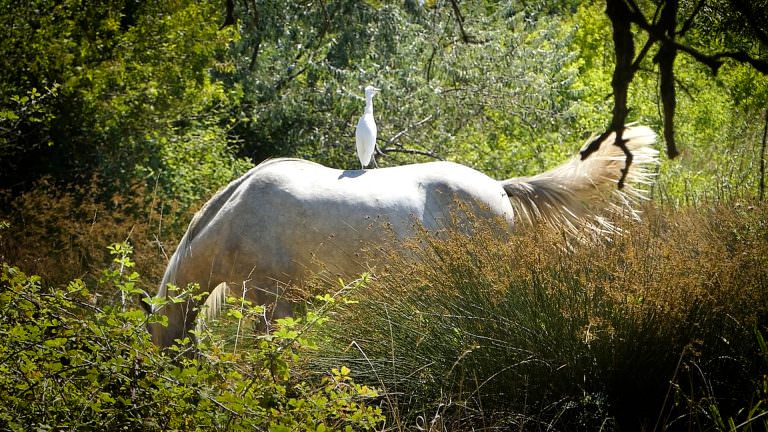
(761, 185)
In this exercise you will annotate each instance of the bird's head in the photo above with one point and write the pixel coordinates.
(370, 91)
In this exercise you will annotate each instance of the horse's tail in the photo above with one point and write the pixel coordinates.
(577, 193)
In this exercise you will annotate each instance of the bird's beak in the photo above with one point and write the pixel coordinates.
(376, 89)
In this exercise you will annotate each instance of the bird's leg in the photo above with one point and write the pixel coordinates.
(373, 159)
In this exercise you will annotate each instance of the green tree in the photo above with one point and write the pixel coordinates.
(481, 92)
(116, 88)
(669, 28)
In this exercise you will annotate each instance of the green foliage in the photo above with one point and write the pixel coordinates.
(114, 123)
(160, 93)
(490, 101)
(118, 118)
(65, 363)
(31, 108)
(129, 92)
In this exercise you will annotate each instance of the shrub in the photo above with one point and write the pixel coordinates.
(61, 234)
(67, 364)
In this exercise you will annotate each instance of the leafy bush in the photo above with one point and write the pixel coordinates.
(112, 126)
(67, 364)
(647, 330)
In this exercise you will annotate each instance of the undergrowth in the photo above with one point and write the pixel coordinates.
(63, 234)
(651, 330)
(68, 364)
(661, 328)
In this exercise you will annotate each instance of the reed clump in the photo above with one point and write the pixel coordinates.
(654, 328)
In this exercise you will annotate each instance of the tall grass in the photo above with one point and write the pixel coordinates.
(61, 233)
(651, 330)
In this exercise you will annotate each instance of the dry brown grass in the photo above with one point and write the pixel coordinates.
(647, 329)
(64, 234)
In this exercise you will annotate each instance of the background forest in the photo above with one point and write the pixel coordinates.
(119, 118)
(144, 109)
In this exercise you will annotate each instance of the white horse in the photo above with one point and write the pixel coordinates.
(285, 218)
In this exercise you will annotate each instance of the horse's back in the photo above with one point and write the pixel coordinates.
(291, 216)
(425, 191)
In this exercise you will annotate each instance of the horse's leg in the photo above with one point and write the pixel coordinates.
(194, 279)
(270, 295)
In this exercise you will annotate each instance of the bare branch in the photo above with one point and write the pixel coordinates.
(254, 26)
(643, 52)
(459, 20)
(648, 44)
(282, 82)
(398, 135)
(622, 144)
(624, 48)
(428, 153)
(742, 56)
(689, 22)
(713, 61)
(465, 37)
(391, 145)
(429, 64)
(621, 18)
(229, 18)
(594, 145)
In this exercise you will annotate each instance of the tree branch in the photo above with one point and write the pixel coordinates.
(621, 20)
(713, 61)
(392, 147)
(465, 37)
(742, 56)
(255, 27)
(428, 153)
(397, 136)
(689, 22)
(229, 17)
(751, 19)
(666, 60)
(643, 52)
(622, 14)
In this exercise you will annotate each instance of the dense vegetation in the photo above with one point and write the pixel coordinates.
(119, 118)
(71, 365)
(658, 329)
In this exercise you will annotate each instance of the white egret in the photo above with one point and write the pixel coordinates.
(365, 134)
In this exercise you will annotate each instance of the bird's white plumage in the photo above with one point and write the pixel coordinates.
(365, 134)
(366, 139)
